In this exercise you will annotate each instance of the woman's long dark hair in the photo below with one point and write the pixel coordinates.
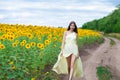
(72, 22)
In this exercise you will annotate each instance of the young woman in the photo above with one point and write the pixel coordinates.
(69, 61)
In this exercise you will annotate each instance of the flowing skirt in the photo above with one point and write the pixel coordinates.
(61, 66)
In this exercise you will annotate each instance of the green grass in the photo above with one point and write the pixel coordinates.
(112, 42)
(85, 41)
(114, 35)
(103, 73)
(51, 75)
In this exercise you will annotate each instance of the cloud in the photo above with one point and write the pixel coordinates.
(39, 12)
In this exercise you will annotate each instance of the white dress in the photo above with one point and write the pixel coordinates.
(70, 47)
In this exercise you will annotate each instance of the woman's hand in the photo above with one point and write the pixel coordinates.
(61, 53)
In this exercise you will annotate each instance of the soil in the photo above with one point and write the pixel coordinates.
(99, 55)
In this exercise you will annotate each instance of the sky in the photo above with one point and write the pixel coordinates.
(54, 12)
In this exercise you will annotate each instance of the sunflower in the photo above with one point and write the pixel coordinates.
(49, 36)
(2, 38)
(33, 43)
(54, 38)
(17, 41)
(47, 42)
(32, 78)
(10, 38)
(27, 46)
(22, 43)
(29, 35)
(14, 44)
(41, 46)
(11, 62)
(2, 46)
(13, 66)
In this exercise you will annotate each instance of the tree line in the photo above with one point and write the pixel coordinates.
(107, 24)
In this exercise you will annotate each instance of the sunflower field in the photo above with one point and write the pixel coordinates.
(27, 51)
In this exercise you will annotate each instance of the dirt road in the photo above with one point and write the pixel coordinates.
(105, 54)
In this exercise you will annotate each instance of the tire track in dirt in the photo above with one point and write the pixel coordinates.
(103, 55)
(94, 61)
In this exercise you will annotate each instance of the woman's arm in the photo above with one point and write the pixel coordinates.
(63, 40)
(77, 44)
(77, 39)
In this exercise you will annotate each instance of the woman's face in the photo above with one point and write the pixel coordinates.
(72, 26)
